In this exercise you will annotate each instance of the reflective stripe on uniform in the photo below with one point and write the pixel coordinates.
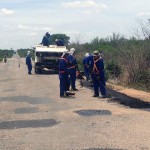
(61, 71)
(95, 69)
(63, 59)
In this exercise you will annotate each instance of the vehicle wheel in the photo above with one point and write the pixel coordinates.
(36, 71)
(56, 71)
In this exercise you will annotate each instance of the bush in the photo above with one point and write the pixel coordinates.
(1, 59)
(143, 78)
(113, 68)
(107, 75)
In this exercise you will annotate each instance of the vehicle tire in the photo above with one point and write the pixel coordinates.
(36, 71)
(56, 71)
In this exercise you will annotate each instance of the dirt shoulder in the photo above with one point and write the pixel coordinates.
(142, 95)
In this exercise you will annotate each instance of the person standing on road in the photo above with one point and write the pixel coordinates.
(86, 66)
(97, 72)
(29, 62)
(5, 58)
(72, 68)
(63, 75)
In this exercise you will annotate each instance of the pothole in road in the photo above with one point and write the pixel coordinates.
(27, 99)
(26, 110)
(27, 124)
(93, 112)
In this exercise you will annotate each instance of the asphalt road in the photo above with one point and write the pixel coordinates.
(34, 117)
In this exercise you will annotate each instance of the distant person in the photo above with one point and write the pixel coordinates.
(29, 62)
(46, 39)
(86, 66)
(59, 42)
(5, 58)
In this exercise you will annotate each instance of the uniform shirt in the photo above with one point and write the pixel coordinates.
(72, 62)
(45, 41)
(28, 60)
(85, 62)
(59, 43)
(99, 64)
(63, 67)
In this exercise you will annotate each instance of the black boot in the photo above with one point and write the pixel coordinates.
(95, 95)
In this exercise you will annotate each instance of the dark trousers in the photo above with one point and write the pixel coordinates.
(63, 84)
(29, 69)
(87, 73)
(72, 73)
(99, 82)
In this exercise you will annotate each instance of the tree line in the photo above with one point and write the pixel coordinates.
(7, 53)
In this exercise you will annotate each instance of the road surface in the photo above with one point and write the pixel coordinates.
(34, 117)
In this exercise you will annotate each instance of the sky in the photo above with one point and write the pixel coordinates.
(23, 23)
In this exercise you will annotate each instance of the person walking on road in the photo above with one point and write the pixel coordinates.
(29, 62)
(98, 76)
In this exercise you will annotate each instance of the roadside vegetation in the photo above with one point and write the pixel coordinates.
(7, 53)
(127, 61)
(23, 53)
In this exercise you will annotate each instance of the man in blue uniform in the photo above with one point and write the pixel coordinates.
(29, 62)
(98, 76)
(72, 68)
(46, 39)
(59, 42)
(86, 66)
(63, 75)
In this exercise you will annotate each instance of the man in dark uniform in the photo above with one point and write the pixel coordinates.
(86, 66)
(98, 76)
(63, 75)
(72, 68)
(59, 42)
(46, 39)
(29, 62)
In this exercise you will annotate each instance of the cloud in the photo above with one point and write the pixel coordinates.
(72, 32)
(87, 6)
(6, 12)
(31, 34)
(32, 28)
(47, 28)
(20, 26)
(143, 14)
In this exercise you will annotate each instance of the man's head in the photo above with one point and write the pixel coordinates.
(72, 50)
(96, 54)
(47, 34)
(87, 54)
(28, 53)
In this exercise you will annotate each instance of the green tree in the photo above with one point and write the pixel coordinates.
(63, 37)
